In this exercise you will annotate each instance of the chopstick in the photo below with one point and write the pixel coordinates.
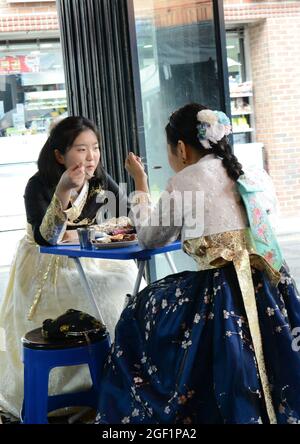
(155, 167)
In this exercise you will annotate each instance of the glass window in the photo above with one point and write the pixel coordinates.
(178, 65)
(247, 149)
(240, 90)
(32, 95)
(235, 56)
(32, 88)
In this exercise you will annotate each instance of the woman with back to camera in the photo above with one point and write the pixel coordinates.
(215, 345)
(66, 193)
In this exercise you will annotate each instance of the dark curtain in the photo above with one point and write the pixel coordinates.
(96, 49)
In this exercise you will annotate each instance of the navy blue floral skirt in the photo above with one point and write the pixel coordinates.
(183, 353)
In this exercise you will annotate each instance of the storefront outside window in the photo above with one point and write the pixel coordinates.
(32, 95)
(263, 48)
(249, 151)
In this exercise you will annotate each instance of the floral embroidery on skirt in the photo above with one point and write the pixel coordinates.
(183, 353)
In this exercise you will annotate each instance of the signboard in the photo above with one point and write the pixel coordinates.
(19, 64)
(29, 1)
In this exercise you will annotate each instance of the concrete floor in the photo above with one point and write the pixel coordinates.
(290, 246)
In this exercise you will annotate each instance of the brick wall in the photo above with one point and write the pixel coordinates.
(274, 52)
(36, 16)
(254, 9)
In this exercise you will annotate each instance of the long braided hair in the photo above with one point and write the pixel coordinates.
(183, 126)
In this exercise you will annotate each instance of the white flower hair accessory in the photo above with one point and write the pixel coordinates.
(213, 126)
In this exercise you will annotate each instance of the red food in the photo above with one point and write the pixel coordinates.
(123, 231)
(123, 237)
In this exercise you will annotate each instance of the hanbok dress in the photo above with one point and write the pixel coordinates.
(43, 286)
(212, 346)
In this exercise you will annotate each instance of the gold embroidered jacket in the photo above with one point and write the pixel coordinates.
(45, 215)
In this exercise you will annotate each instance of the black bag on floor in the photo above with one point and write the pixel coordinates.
(72, 323)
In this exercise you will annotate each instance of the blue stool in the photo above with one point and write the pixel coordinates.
(41, 355)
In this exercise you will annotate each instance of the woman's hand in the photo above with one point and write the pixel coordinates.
(135, 167)
(73, 177)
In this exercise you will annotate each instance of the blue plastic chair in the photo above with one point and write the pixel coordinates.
(41, 355)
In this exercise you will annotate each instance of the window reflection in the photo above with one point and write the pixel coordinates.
(32, 96)
(32, 90)
(178, 64)
(177, 61)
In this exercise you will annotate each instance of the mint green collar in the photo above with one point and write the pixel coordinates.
(262, 233)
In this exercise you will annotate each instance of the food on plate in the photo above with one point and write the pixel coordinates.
(116, 225)
(125, 237)
(123, 230)
(115, 230)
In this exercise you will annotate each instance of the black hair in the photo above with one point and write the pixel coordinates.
(183, 126)
(61, 138)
